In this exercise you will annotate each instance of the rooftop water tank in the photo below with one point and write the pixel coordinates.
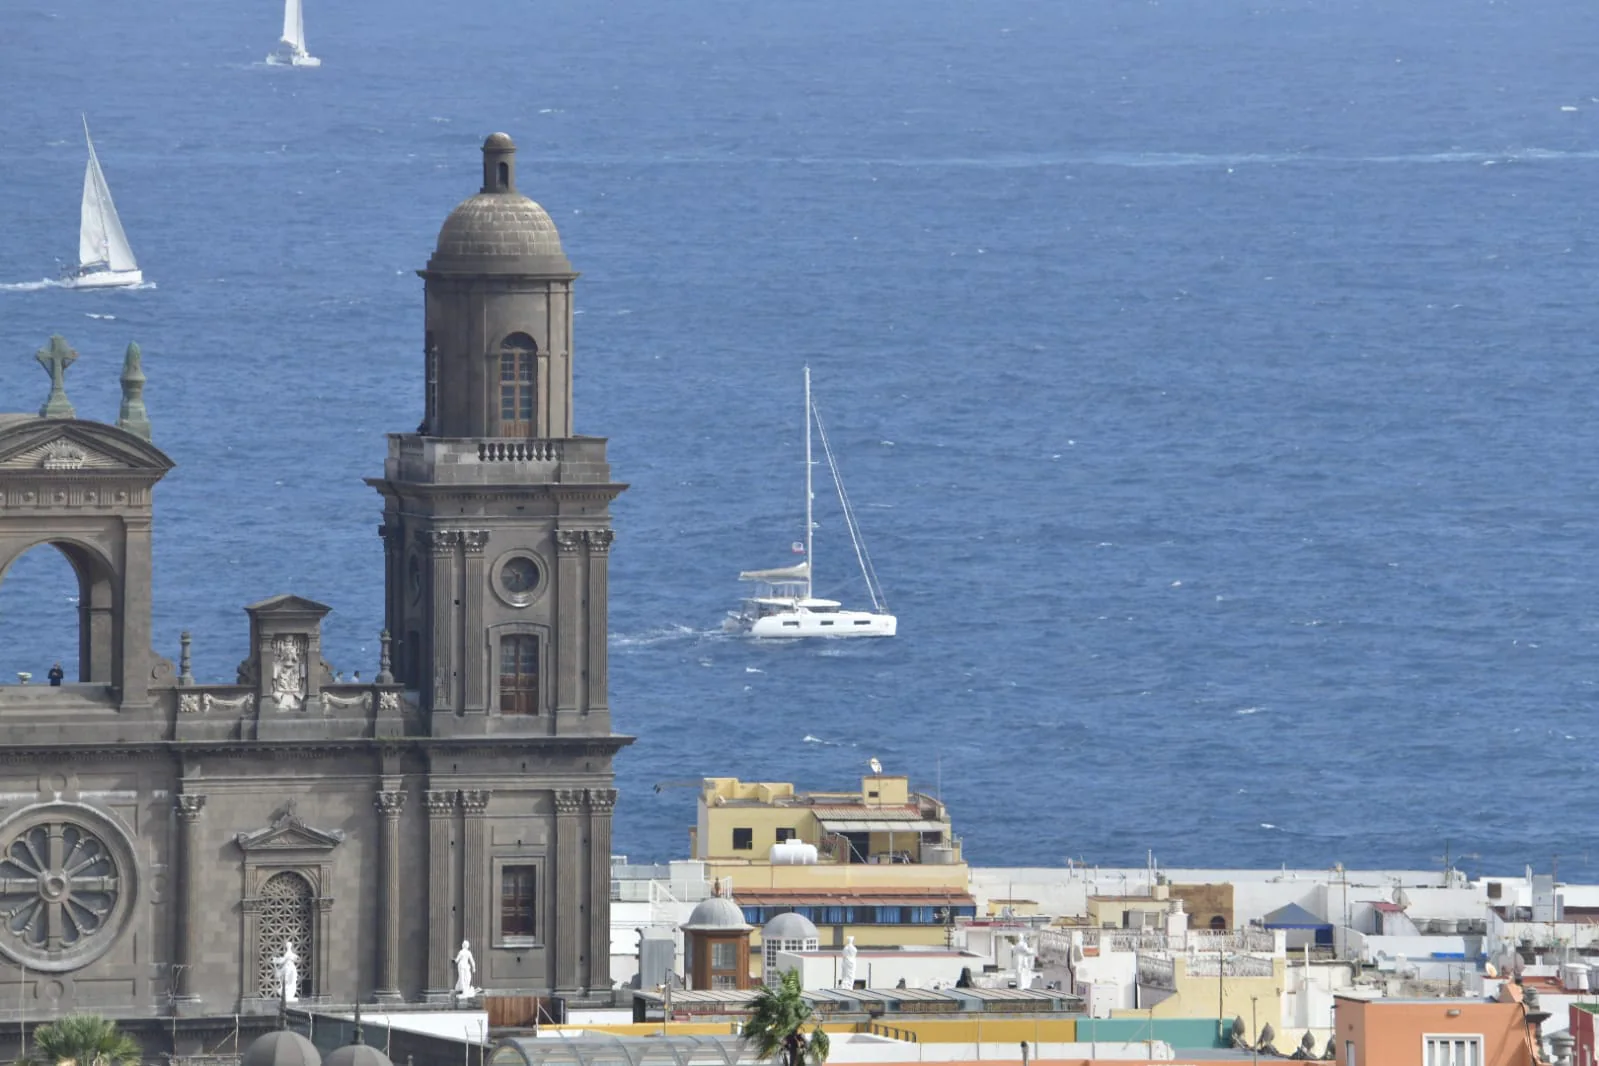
(792, 853)
(1574, 977)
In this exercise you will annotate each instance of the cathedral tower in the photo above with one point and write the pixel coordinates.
(496, 524)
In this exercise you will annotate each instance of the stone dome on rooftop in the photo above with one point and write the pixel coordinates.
(499, 230)
(281, 1047)
(717, 912)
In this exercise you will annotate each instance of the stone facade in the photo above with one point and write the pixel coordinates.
(160, 841)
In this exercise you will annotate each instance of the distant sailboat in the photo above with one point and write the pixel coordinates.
(293, 53)
(785, 604)
(105, 259)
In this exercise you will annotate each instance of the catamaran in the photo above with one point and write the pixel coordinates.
(784, 604)
(104, 258)
(293, 53)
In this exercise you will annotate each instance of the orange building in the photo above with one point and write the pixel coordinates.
(1434, 1032)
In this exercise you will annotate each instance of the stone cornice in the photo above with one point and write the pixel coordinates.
(305, 749)
(599, 492)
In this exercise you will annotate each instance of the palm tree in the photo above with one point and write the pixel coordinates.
(778, 1017)
(84, 1040)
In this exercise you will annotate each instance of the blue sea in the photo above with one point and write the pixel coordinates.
(1215, 380)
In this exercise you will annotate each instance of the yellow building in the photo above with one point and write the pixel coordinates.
(881, 864)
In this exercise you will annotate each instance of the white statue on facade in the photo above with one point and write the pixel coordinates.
(287, 967)
(465, 966)
(288, 672)
(846, 968)
(1021, 957)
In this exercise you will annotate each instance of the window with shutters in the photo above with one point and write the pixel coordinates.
(518, 364)
(518, 896)
(1451, 1049)
(519, 674)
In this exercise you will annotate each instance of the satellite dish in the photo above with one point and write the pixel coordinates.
(1490, 969)
(876, 766)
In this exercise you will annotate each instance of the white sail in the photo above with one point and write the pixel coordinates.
(293, 25)
(101, 240)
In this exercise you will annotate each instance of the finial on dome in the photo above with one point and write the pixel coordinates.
(499, 164)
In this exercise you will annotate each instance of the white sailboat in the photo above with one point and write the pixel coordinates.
(784, 605)
(105, 259)
(293, 53)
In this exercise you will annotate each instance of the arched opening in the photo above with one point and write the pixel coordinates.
(57, 605)
(285, 932)
(1218, 923)
(505, 177)
(518, 359)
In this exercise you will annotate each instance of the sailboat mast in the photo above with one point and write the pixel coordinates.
(810, 567)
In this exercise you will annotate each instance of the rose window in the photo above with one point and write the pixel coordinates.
(62, 891)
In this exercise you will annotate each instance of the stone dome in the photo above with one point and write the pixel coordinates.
(357, 1054)
(718, 912)
(281, 1047)
(789, 926)
(499, 230)
(499, 224)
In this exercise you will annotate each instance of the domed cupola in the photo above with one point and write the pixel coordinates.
(498, 343)
(499, 230)
(716, 943)
(281, 1047)
(357, 1052)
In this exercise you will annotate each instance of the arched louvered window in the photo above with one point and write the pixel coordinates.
(518, 367)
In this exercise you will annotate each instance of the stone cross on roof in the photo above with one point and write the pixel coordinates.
(55, 358)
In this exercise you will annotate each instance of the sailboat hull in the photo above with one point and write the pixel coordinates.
(106, 279)
(293, 59)
(799, 623)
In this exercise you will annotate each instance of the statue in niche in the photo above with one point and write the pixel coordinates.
(846, 968)
(287, 966)
(288, 672)
(465, 965)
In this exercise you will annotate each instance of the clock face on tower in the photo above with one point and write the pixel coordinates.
(519, 576)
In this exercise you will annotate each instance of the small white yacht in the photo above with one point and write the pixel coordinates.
(784, 604)
(293, 53)
(105, 259)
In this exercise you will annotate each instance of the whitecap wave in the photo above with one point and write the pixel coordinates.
(808, 739)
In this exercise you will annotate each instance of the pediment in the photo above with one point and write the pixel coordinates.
(288, 603)
(60, 454)
(62, 446)
(289, 833)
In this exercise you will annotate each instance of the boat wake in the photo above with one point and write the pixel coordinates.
(33, 286)
(663, 635)
(828, 743)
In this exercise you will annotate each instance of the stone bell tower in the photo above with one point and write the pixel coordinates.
(496, 523)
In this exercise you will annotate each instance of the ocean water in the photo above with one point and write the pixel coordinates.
(1215, 380)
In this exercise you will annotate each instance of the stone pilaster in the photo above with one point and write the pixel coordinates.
(191, 907)
(475, 873)
(595, 696)
(569, 878)
(441, 894)
(389, 805)
(473, 589)
(597, 975)
(568, 568)
(442, 545)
